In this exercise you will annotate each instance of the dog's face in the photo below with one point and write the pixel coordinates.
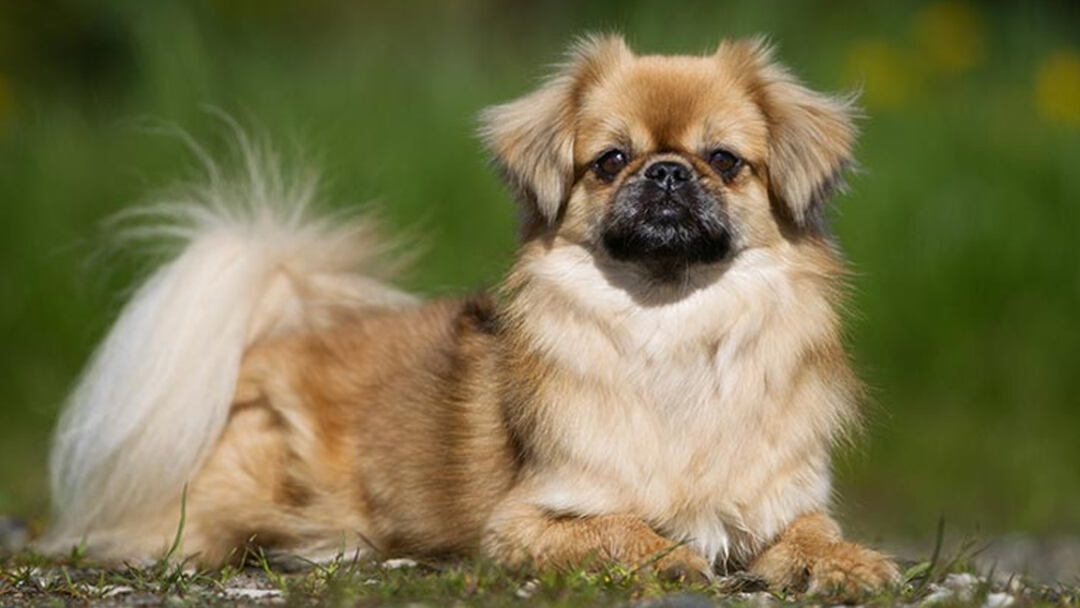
(671, 162)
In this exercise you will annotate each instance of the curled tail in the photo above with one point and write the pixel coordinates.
(156, 394)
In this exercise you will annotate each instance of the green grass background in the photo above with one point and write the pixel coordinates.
(962, 225)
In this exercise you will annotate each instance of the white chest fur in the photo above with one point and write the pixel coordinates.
(695, 412)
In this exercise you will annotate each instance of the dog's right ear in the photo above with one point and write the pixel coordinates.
(532, 138)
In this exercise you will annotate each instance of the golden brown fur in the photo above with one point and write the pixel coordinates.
(596, 408)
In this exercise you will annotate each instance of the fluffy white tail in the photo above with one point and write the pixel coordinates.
(156, 394)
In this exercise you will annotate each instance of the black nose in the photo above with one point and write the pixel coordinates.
(667, 174)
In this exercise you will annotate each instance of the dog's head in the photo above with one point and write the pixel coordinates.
(671, 161)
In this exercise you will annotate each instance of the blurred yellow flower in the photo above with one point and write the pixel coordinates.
(886, 74)
(950, 35)
(1057, 87)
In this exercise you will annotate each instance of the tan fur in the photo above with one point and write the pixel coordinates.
(591, 412)
(811, 553)
(532, 138)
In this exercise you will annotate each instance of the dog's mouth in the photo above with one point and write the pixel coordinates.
(663, 228)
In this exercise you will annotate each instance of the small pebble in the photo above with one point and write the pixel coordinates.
(961, 581)
(938, 594)
(999, 600)
(116, 591)
(254, 594)
(527, 590)
(959, 587)
(42, 578)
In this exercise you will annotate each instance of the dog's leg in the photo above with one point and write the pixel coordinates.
(520, 535)
(812, 553)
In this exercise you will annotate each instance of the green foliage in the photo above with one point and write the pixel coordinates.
(961, 225)
(351, 581)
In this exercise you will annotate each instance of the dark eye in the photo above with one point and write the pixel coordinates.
(610, 163)
(725, 163)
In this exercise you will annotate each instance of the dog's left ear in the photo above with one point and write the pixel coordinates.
(811, 135)
(532, 138)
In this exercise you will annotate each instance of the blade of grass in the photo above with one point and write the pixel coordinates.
(180, 528)
(935, 556)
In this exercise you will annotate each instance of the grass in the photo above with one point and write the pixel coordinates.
(28, 579)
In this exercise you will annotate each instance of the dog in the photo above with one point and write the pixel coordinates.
(658, 382)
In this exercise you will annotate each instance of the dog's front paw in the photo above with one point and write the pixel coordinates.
(851, 569)
(683, 564)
